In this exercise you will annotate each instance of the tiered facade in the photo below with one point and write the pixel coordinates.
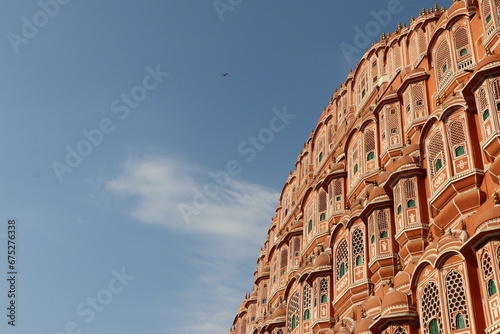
(390, 222)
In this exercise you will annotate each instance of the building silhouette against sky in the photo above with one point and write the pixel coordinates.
(390, 222)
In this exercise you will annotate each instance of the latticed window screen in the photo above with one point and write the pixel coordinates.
(293, 312)
(461, 40)
(358, 247)
(397, 198)
(457, 301)
(436, 150)
(397, 57)
(393, 122)
(431, 306)
(296, 246)
(341, 264)
(374, 68)
(323, 290)
(338, 191)
(413, 48)
(400, 330)
(409, 186)
(390, 68)
(371, 227)
(488, 274)
(306, 298)
(486, 10)
(418, 98)
(284, 258)
(382, 221)
(495, 87)
(422, 41)
(280, 331)
(482, 100)
(456, 136)
(443, 60)
(322, 202)
(369, 143)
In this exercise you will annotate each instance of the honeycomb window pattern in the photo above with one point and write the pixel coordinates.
(342, 257)
(431, 306)
(457, 301)
(293, 312)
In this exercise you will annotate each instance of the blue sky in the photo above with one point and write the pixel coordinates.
(134, 235)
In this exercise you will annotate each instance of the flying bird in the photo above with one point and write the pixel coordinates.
(224, 74)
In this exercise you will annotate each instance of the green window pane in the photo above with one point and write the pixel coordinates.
(363, 93)
(488, 18)
(310, 226)
(460, 321)
(356, 168)
(322, 217)
(498, 106)
(370, 156)
(408, 109)
(434, 327)
(486, 114)
(438, 164)
(445, 68)
(492, 287)
(384, 234)
(463, 52)
(359, 260)
(459, 151)
(338, 199)
(320, 156)
(294, 322)
(307, 315)
(324, 299)
(411, 204)
(373, 239)
(400, 209)
(342, 270)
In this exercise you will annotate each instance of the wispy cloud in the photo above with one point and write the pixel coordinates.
(162, 185)
(229, 231)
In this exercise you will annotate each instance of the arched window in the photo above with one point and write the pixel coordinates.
(356, 168)
(322, 217)
(370, 156)
(310, 226)
(457, 300)
(459, 321)
(461, 40)
(293, 311)
(400, 209)
(443, 60)
(410, 204)
(358, 248)
(460, 150)
(373, 239)
(384, 234)
(431, 308)
(486, 114)
(400, 330)
(438, 165)
(486, 11)
(324, 299)
(341, 259)
(320, 157)
(306, 296)
(492, 287)
(434, 327)
(369, 141)
(436, 153)
(342, 270)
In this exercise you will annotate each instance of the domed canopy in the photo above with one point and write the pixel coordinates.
(394, 298)
(363, 326)
(322, 260)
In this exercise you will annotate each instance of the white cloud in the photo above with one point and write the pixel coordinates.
(229, 229)
(167, 192)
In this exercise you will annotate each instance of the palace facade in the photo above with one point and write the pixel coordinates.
(390, 222)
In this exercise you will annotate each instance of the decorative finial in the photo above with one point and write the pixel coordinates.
(408, 140)
(354, 315)
(363, 313)
(464, 225)
(438, 101)
(334, 159)
(496, 198)
(443, 9)
(371, 291)
(400, 26)
(430, 237)
(442, 231)
(488, 51)
(390, 283)
(399, 266)
(436, 7)
(347, 206)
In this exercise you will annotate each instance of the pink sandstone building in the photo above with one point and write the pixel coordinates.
(390, 223)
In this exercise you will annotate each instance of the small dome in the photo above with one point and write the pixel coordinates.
(492, 215)
(394, 298)
(371, 303)
(405, 160)
(363, 326)
(322, 260)
(377, 191)
(410, 148)
(280, 311)
(401, 279)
